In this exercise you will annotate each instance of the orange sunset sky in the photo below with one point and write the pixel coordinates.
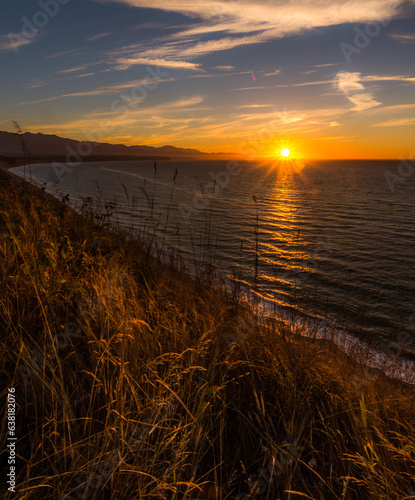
(326, 79)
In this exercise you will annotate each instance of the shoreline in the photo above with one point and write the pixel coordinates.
(307, 327)
(133, 361)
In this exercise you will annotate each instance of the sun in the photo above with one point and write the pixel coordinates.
(285, 152)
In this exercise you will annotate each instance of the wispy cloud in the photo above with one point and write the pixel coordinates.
(150, 25)
(306, 84)
(404, 38)
(254, 87)
(126, 63)
(300, 121)
(257, 22)
(185, 102)
(163, 115)
(221, 75)
(225, 68)
(338, 138)
(363, 101)
(396, 123)
(64, 53)
(289, 85)
(349, 84)
(13, 41)
(394, 109)
(172, 54)
(389, 78)
(35, 83)
(276, 72)
(285, 17)
(84, 75)
(70, 70)
(102, 90)
(97, 37)
(254, 106)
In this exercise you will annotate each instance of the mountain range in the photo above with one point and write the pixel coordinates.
(42, 146)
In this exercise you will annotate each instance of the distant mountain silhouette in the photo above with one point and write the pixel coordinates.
(52, 146)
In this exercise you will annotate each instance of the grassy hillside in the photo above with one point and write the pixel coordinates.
(133, 380)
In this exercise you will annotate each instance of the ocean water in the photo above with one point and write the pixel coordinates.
(333, 241)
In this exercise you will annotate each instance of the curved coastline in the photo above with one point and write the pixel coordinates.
(139, 360)
(374, 362)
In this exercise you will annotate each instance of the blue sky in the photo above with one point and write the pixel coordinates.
(329, 79)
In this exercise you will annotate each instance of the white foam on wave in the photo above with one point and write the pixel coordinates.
(376, 360)
(391, 364)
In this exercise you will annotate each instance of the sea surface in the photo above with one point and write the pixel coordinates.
(332, 242)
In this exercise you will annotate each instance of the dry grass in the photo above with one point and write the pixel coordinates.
(135, 381)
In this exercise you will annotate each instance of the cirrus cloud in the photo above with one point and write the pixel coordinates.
(125, 63)
(284, 17)
(349, 84)
(229, 24)
(13, 42)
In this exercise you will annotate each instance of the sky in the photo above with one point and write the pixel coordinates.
(326, 79)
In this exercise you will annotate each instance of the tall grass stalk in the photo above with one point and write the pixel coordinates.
(131, 389)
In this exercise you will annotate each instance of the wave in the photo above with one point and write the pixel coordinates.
(390, 360)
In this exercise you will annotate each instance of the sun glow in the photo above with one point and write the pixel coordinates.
(285, 152)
